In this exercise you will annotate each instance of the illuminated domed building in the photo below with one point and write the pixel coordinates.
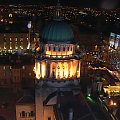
(57, 66)
(58, 59)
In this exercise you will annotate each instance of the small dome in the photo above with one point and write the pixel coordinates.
(57, 31)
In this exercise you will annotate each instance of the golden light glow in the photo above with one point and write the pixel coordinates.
(59, 54)
(62, 70)
(38, 49)
(37, 70)
(58, 69)
(10, 15)
(112, 103)
(112, 90)
(43, 71)
(71, 70)
(78, 71)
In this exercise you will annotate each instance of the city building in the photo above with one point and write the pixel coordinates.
(54, 66)
(16, 71)
(57, 67)
(17, 42)
(25, 108)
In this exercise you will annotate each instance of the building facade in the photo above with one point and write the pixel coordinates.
(14, 70)
(12, 42)
(57, 67)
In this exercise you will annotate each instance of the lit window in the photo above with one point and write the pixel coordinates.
(21, 46)
(23, 67)
(16, 39)
(5, 45)
(10, 45)
(10, 67)
(4, 67)
(10, 39)
(16, 47)
(10, 15)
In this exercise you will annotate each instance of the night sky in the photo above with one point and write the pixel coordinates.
(81, 3)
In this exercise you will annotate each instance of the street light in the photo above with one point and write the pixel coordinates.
(29, 28)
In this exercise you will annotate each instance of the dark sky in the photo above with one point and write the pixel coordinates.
(51, 2)
(81, 3)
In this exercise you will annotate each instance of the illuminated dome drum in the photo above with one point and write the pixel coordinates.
(57, 31)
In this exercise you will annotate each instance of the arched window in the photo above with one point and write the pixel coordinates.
(23, 113)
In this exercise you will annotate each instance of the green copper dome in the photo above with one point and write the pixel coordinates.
(57, 31)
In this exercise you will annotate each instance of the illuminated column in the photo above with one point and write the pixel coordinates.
(37, 69)
(51, 69)
(66, 70)
(48, 68)
(58, 70)
(63, 67)
(78, 69)
(40, 69)
(71, 69)
(43, 69)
